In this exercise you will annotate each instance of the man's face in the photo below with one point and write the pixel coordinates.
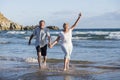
(42, 24)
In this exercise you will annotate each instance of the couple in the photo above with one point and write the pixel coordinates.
(42, 33)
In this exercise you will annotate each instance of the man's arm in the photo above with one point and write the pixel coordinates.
(74, 25)
(30, 39)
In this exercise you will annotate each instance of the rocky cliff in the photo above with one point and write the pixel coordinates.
(6, 24)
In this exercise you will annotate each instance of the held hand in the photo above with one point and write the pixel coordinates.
(50, 45)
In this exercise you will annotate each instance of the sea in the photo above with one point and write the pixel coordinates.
(100, 45)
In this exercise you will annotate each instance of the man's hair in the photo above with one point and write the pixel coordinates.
(41, 21)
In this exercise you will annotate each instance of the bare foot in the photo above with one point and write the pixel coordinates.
(44, 65)
(39, 67)
(64, 69)
(67, 67)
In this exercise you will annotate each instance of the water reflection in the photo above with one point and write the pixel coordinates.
(67, 77)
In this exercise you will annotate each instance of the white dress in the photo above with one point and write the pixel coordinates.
(66, 43)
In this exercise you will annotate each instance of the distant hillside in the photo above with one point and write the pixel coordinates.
(6, 24)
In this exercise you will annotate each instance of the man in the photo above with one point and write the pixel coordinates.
(41, 34)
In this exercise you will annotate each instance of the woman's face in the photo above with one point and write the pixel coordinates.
(66, 26)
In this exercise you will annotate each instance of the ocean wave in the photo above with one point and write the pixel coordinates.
(93, 35)
(81, 38)
(113, 35)
(92, 32)
(97, 35)
(54, 33)
(77, 35)
(27, 37)
(4, 42)
(7, 58)
(16, 32)
(29, 60)
(34, 60)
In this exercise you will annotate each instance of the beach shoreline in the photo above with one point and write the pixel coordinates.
(12, 70)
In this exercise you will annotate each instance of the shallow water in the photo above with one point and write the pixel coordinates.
(78, 71)
(95, 51)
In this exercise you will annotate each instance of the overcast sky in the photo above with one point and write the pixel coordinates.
(55, 12)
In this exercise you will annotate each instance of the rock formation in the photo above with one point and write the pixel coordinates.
(53, 27)
(6, 24)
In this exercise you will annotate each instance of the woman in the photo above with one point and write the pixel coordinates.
(66, 41)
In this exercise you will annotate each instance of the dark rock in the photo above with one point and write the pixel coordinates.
(53, 27)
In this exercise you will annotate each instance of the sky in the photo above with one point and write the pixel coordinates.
(55, 12)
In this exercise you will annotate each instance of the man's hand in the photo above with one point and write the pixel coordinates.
(29, 42)
(30, 39)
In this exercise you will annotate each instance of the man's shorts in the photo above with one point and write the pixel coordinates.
(43, 50)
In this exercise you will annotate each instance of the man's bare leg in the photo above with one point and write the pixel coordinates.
(45, 59)
(39, 59)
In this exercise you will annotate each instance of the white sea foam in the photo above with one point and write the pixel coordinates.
(56, 32)
(99, 33)
(7, 58)
(78, 32)
(27, 37)
(114, 35)
(4, 42)
(31, 60)
(81, 38)
(16, 32)
(92, 32)
(81, 35)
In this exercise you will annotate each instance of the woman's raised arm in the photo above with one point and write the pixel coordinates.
(74, 25)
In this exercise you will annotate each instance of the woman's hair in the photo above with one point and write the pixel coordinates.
(65, 24)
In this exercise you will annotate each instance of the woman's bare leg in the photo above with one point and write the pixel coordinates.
(65, 64)
(68, 64)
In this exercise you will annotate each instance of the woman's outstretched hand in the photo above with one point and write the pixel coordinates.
(80, 14)
(74, 25)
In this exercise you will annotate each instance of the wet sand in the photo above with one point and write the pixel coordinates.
(79, 70)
